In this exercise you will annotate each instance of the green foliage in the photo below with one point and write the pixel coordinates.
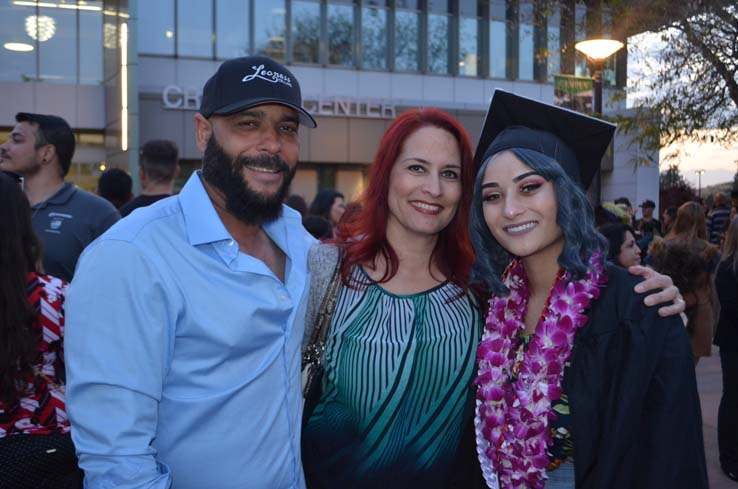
(692, 85)
(674, 189)
(672, 178)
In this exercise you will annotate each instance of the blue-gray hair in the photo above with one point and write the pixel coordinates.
(574, 216)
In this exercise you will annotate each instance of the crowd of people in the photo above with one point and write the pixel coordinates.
(469, 321)
(694, 245)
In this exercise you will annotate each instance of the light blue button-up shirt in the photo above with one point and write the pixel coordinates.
(183, 353)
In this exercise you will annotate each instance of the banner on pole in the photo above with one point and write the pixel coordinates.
(574, 93)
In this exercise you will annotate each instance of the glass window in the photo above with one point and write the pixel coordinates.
(609, 73)
(468, 8)
(437, 43)
(305, 32)
(111, 41)
(194, 28)
(374, 38)
(58, 53)
(17, 46)
(498, 40)
(231, 28)
(341, 35)
(91, 44)
(406, 40)
(580, 26)
(553, 42)
(156, 27)
(468, 46)
(269, 28)
(526, 58)
(439, 6)
(408, 4)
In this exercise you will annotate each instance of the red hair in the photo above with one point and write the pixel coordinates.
(362, 232)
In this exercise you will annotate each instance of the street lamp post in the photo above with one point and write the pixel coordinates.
(597, 51)
(699, 182)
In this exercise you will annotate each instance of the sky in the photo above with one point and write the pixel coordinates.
(720, 163)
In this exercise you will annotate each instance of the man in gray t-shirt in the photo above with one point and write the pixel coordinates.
(65, 218)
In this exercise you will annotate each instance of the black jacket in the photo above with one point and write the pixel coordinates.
(636, 418)
(726, 284)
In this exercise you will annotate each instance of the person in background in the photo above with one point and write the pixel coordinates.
(298, 203)
(328, 204)
(623, 249)
(726, 338)
(648, 232)
(115, 186)
(647, 208)
(158, 167)
(624, 203)
(685, 255)
(65, 218)
(319, 227)
(36, 450)
(718, 218)
(604, 216)
(619, 211)
(667, 219)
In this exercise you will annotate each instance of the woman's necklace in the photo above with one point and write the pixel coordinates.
(512, 416)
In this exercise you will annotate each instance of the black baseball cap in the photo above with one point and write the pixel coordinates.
(241, 83)
(576, 141)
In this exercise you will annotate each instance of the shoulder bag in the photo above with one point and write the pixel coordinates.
(313, 353)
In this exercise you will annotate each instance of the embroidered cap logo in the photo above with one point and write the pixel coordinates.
(268, 75)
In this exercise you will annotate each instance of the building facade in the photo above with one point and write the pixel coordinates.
(125, 71)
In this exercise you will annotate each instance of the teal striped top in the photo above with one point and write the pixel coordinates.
(397, 395)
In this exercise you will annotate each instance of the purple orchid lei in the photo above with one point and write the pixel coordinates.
(512, 417)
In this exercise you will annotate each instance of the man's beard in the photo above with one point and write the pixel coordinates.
(248, 206)
(30, 170)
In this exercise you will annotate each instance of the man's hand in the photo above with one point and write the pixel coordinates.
(667, 291)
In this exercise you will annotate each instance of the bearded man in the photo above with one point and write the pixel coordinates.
(185, 320)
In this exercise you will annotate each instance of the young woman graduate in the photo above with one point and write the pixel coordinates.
(579, 383)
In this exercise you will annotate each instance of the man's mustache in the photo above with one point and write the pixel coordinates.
(269, 162)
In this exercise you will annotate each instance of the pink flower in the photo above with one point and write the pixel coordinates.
(518, 412)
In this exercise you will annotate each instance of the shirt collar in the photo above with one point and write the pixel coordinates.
(61, 196)
(201, 220)
(204, 225)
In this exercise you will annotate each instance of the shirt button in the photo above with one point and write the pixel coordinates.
(231, 242)
(283, 297)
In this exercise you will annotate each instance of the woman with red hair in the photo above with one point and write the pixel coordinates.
(393, 324)
(401, 347)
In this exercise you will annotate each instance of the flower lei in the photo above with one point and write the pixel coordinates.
(512, 417)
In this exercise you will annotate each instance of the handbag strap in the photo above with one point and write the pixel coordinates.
(314, 350)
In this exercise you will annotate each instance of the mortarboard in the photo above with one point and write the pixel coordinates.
(577, 141)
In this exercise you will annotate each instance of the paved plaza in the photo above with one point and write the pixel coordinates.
(709, 383)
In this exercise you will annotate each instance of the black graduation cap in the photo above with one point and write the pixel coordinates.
(577, 141)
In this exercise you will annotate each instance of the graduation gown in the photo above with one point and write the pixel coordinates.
(635, 410)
